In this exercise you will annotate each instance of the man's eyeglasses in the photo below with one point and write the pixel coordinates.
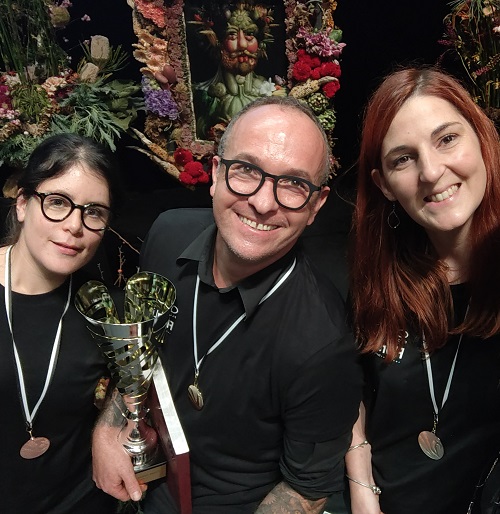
(57, 207)
(245, 179)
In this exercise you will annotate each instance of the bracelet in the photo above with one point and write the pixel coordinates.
(364, 443)
(375, 488)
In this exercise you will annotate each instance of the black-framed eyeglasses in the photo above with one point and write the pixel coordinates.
(57, 207)
(245, 179)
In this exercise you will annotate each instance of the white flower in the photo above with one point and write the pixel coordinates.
(267, 88)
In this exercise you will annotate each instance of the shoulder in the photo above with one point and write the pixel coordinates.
(177, 228)
(171, 233)
(318, 287)
(194, 219)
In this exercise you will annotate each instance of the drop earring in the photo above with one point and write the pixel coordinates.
(393, 219)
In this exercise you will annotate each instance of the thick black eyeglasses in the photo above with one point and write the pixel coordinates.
(57, 207)
(245, 179)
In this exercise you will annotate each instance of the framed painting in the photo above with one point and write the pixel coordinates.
(205, 59)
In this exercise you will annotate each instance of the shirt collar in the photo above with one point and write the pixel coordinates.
(253, 288)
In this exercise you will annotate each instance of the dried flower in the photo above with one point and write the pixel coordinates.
(472, 32)
(99, 48)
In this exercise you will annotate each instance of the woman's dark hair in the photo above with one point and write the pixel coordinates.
(53, 157)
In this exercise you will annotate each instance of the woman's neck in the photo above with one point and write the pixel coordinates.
(25, 276)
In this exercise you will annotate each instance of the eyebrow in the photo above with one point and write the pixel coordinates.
(64, 193)
(252, 159)
(434, 133)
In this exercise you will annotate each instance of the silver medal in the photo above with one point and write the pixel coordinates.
(431, 445)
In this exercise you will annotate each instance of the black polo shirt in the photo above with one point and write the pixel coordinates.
(281, 392)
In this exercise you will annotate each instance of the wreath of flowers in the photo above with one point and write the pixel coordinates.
(313, 50)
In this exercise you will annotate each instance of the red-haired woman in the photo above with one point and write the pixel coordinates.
(426, 297)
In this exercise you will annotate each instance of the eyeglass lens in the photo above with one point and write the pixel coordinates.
(58, 207)
(245, 179)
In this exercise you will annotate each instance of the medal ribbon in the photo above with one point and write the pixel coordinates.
(30, 416)
(197, 363)
(431, 380)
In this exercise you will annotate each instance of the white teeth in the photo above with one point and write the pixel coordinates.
(258, 226)
(439, 197)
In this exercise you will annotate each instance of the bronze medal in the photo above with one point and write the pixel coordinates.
(195, 397)
(431, 445)
(34, 447)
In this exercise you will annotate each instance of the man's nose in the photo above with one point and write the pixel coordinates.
(263, 200)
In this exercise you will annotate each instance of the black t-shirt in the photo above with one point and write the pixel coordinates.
(60, 481)
(281, 392)
(399, 407)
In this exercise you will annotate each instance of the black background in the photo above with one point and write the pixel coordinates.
(379, 36)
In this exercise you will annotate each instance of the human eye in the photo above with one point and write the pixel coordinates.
(245, 170)
(96, 211)
(448, 139)
(400, 162)
(294, 184)
(56, 202)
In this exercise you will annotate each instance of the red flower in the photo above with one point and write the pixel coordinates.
(315, 62)
(301, 71)
(331, 88)
(182, 156)
(316, 73)
(204, 178)
(305, 59)
(194, 168)
(331, 69)
(186, 178)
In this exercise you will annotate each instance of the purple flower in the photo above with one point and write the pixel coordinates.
(160, 102)
(320, 43)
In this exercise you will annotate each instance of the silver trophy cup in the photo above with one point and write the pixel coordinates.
(130, 348)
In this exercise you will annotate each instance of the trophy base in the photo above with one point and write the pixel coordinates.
(152, 470)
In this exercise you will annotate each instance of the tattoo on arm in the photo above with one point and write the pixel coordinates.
(112, 412)
(285, 500)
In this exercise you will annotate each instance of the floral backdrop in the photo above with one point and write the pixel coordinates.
(42, 92)
(472, 34)
(169, 137)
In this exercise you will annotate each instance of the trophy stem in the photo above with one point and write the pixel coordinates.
(140, 443)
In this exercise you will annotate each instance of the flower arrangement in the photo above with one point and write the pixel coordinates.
(171, 136)
(41, 95)
(313, 49)
(472, 31)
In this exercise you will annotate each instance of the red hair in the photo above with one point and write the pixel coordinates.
(397, 280)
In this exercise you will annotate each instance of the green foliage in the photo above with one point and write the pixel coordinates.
(27, 39)
(98, 110)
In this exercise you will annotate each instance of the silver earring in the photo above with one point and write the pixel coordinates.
(393, 219)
